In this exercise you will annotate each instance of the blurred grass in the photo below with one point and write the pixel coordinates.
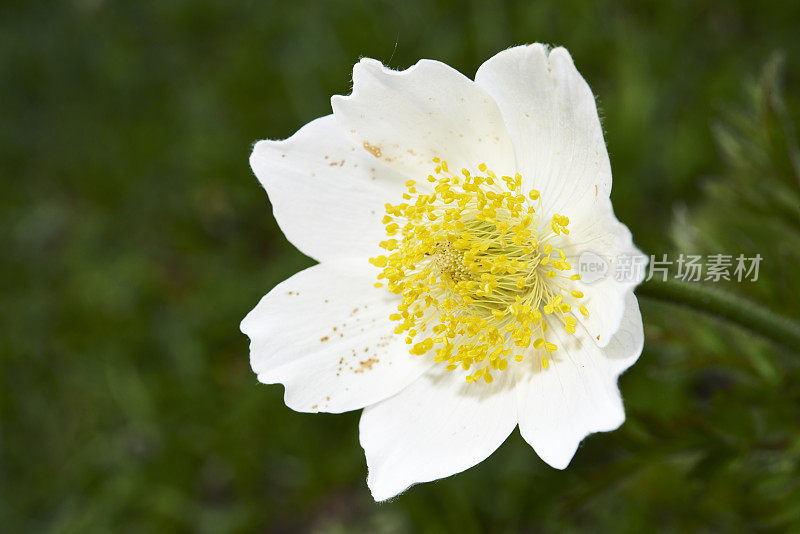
(135, 238)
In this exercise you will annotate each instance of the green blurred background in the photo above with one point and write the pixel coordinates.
(135, 237)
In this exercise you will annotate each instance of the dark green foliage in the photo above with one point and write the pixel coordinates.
(754, 206)
(134, 239)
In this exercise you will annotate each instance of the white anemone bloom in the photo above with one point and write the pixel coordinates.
(446, 215)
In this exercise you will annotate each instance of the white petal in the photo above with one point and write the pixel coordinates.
(603, 239)
(551, 116)
(436, 427)
(406, 118)
(578, 394)
(325, 334)
(327, 195)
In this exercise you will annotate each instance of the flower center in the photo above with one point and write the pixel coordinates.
(476, 273)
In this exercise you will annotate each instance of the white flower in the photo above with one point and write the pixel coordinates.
(468, 318)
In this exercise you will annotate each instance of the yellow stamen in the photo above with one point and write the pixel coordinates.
(471, 260)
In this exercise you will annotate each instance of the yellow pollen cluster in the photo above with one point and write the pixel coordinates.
(476, 275)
